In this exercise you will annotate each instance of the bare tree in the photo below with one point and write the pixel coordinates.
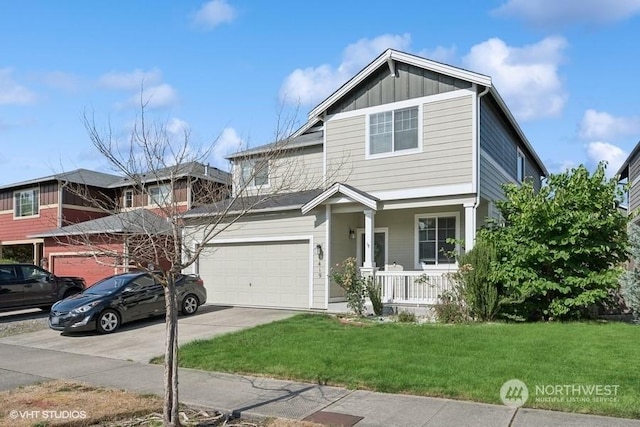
(157, 237)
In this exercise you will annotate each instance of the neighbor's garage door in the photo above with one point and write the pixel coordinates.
(273, 274)
(82, 266)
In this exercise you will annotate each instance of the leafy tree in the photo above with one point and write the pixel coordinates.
(561, 248)
(630, 279)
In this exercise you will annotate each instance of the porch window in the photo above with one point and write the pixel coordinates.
(254, 173)
(393, 131)
(160, 195)
(433, 232)
(26, 202)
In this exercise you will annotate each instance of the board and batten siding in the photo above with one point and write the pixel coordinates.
(634, 179)
(446, 157)
(292, 170)
(293, 224)
(409, 82)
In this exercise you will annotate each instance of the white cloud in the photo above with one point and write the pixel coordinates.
(133, 80)
(559, 13)
(229, 142)
(311, 85)
(566, 165)
(527, 77)
(598, 125)
(12, 93)
(177, 126)
(214, 13)
(613, 155)
(160, 96)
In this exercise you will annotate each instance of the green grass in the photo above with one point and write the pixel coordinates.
(468, 362)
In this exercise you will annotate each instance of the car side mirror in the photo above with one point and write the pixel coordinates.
(127, 290)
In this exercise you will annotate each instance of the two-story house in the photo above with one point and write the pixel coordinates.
(629, 173)
(81, 223)
(406, 155)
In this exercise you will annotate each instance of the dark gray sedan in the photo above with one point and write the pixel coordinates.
(123, 298)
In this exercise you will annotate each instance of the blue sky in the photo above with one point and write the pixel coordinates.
(224, 69)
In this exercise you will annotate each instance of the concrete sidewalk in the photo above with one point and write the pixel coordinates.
(260, 397)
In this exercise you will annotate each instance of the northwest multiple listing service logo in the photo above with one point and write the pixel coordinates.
(514, 393)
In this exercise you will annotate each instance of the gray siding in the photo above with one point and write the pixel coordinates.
(491, 180)
(500, 141)
(446, 157)
(383, 88)
(292, 170)
(634, 178)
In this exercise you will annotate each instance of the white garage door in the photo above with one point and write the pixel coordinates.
(270, 274)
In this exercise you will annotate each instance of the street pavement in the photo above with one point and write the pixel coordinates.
(34, 357)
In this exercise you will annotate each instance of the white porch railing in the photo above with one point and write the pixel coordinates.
(403, 287)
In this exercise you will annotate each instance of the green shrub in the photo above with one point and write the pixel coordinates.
(374, 291)
(478, 290)
(630, 279)
(451, 308)
(405, 316)
(348, 278)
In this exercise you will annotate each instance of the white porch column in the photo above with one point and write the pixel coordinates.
(369, 227)
(469, 226)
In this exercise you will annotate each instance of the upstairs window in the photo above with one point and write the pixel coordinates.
(254, 173)
(520, 166)
(26, 202)
(393, 131)
(128, 199)
(432, 235)
(160, 195)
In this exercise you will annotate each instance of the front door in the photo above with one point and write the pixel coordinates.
(379, 247)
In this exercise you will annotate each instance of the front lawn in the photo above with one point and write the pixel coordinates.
(572, 361)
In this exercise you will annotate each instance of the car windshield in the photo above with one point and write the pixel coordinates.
(110, 284)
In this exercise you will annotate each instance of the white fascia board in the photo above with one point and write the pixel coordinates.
(394, 55)
(346, 191)
(414, 193)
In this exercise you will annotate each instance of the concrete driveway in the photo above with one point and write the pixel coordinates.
(142, 340)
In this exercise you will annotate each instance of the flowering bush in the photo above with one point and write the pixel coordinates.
(348, 278)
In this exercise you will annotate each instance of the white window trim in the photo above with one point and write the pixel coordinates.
(416, 246)
(15, 207)
(404, 105)
(519, 155)
(252, 185)
(126, 192)
(167, 201)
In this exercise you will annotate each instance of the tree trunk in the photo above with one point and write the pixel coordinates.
(170, 410)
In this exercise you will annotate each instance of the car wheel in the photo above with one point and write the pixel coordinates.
(108, 321)
(190, 305)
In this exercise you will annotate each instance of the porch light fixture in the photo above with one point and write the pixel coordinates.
(319, 251)
(352, 234)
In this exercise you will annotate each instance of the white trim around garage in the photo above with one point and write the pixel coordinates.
(266, 239)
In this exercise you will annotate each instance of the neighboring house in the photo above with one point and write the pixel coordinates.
(629, 172)
(405, 155)
(47, 220)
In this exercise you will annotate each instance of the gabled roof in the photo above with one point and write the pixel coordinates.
(278, 202)
(338, 188)
(306, 140)
(139, 221)
(78, 176)
(624, 169)
(190, 169)
(388, 59)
